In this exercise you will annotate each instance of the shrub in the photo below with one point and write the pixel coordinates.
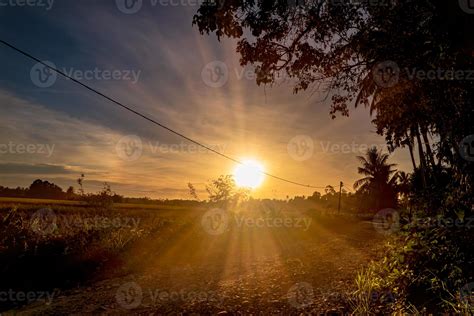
(425, 267)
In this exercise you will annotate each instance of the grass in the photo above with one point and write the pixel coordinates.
(69, 243)
(75, 245)
(6, 202)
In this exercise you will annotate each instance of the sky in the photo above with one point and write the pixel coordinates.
(155, 61)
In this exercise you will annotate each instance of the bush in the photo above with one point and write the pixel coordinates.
(426, 267)
(104, 199)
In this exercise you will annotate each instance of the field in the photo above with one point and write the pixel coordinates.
(62, 258)
(45, 202)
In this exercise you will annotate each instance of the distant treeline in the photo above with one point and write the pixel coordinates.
(329, 200)
(40, 189)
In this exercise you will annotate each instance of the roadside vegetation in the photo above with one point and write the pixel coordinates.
(371, 55)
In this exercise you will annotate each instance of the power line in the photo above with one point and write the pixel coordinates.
(128, 108)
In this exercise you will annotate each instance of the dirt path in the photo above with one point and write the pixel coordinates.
(258, 271)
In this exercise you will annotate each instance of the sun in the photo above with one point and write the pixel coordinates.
(249, 174)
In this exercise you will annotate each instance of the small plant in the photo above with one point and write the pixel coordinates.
(104, 199)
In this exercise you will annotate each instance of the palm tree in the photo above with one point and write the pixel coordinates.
(380, 181)
(404, 182)
(404, 188)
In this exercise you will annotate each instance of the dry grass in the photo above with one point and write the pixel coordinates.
(169, 249)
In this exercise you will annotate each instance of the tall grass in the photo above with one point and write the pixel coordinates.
(77, 246)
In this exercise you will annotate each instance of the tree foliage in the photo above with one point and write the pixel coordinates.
(377, 54)
(224, 191)
(342, 48)
(380, 180)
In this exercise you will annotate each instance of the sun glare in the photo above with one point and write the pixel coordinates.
(249, 174)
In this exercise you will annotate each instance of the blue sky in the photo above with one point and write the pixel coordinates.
(169, 59)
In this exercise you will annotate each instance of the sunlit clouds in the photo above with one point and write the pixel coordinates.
(239, 119)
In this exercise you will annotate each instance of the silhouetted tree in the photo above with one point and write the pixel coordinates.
(70, 194)
(192, 191)
(404, 182)
(380, 181)
(224, 191)
(364, 54)
(315, 197)
(80, 181)
(45, 190)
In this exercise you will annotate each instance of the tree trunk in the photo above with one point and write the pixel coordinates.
(428, 146)
(422, 157)
(410, 148)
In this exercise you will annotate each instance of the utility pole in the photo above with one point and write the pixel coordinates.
(340, 194)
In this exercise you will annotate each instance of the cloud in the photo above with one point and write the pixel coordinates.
(33, 169)
(241, 119)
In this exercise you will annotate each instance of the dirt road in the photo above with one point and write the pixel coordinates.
(247, 269)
